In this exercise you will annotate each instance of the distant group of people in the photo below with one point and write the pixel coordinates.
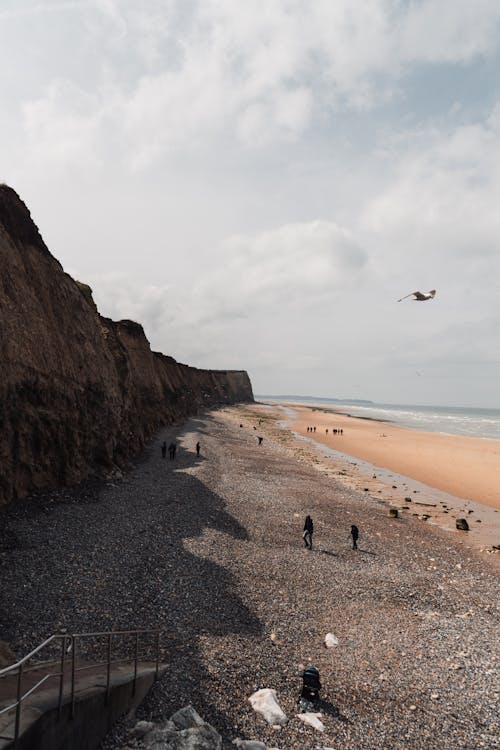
(172, 450)
(308, 532)
(335, 430)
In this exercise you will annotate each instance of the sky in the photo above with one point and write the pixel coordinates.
(258, 183)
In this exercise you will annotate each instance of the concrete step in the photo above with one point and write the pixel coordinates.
(41, 727)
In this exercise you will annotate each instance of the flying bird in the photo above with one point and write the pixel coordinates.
(420, 296)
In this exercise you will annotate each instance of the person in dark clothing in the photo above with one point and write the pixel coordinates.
(355, 536)
(171, 450)
(308, 532)
(198, 447)
(163, 450)
(260, 440)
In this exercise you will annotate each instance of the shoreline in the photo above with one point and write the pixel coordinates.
(372, 456)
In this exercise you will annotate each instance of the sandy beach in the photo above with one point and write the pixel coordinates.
(461, 466)
(210, 550)
(443, 477)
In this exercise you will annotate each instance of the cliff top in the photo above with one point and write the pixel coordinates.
(17, 221)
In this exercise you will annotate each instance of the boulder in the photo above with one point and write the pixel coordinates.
(313, 720)
(196, 738)
(185, 730)
(331, 641)
(187, 718)
(265, 703)
(462, 524)
(141, 728)
(393, 513)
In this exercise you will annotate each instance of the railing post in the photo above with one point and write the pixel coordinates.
(157, 667)
(73, 667)
(18, 706)
(136, 656)
(61, 678)
(108, 675)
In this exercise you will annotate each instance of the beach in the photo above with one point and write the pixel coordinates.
(210, 550)
(462, 466)
(455, 476)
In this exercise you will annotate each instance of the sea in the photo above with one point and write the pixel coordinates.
(447, 420)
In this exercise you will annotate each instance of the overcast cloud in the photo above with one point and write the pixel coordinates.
(257, 183)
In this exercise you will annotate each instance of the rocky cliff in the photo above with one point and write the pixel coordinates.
(79, 393)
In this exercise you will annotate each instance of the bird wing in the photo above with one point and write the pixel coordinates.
(408, 295)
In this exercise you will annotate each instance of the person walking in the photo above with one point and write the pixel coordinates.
(163, 449)
(355, 536)
(171, 450)
(198, 448)
(308, 532)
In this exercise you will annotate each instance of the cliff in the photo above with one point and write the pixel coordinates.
(79, 393)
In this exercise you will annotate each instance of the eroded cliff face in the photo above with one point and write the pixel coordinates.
(79, 393)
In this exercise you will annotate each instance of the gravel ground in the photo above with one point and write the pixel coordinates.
(210, 550)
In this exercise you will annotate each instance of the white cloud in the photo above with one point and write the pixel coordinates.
(292, 266)
(449, 30)
(279, 273)
(62, 129)
(444, 197)
(261, 74)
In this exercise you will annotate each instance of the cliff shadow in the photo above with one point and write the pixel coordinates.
(121, 560)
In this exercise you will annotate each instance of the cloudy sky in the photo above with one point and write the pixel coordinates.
(258, 183)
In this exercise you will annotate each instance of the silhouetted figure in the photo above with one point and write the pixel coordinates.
(171, 451)
(309, 695)
(260, 439)
(334, 431)
(198, 448)
(163, 450)
(308, 532)
(326, 430)
(355, 536)
(341, 432)
(314, 429)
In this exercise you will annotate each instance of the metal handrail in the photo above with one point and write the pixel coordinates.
(26, 658)
(19, 667)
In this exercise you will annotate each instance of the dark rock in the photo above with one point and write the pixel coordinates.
(462, 524)
(187, 718)
(185, 730)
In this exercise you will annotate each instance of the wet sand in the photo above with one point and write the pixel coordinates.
(444, 477)
(461, 466)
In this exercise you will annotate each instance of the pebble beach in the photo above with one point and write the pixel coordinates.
(210, 549)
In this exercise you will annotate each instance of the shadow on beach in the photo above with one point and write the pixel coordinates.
(117, 561)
